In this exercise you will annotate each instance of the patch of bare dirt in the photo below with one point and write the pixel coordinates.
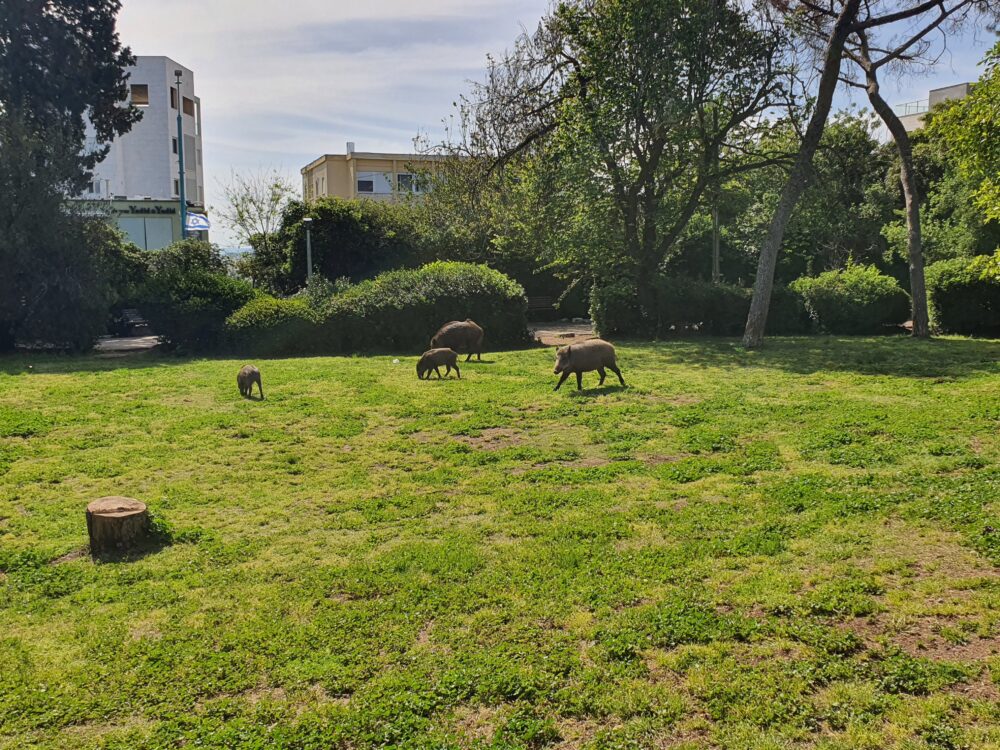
(576, 733)
(982, 688)
(493, 438)
(476, 723)
(657, 460)
(70, 556)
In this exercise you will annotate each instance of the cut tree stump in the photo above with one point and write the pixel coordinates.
(116, 524)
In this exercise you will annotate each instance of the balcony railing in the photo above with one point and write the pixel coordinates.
(912, 108)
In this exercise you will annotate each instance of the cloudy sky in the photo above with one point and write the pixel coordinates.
(283, 82)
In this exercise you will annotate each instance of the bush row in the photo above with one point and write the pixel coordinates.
(399, 310)
(964, 294)
(687, 305)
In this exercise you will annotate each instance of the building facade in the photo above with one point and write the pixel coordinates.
(912, 114)
(376, 176)
(139, 178)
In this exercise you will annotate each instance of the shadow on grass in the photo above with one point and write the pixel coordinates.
(891, 356)
(598, 391)
(894, 356)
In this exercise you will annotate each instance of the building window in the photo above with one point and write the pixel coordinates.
(95, 187)
(173, 98)
(140, 94)
(177, 187)
(366, 186)
(405, 182)
(188, 106)
(174, 143)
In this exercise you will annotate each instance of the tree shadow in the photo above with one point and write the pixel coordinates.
(895, 356)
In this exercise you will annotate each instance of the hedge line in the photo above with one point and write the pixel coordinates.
(964, 294)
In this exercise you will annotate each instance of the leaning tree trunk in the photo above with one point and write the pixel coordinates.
(116, 524)
(914, 242)
(798, 179)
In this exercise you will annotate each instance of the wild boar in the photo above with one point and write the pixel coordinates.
(245, 378)
(464, 336)
(587, 356)
(434, 358)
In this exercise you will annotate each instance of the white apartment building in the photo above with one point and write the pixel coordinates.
(139, 176)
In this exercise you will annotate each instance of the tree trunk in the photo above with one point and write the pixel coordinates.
(914, 242)
(798, 179)
(116, 524)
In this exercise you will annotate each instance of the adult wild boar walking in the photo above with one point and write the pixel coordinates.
(245, 378)
(464, 336)
(587, 356)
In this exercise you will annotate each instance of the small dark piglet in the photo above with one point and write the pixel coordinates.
(433, 359)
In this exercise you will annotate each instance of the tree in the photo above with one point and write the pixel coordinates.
(618, 115)
(830, 25)
(972, 128)
(61, 65)
(253, 209)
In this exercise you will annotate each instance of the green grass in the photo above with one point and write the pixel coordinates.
(789, 548)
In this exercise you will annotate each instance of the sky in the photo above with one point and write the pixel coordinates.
(283, 82)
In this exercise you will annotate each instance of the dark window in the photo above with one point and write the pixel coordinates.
(140, 94)
(173, 98)
(188, 106)
(174, 140)
(366, 186)
(405, 182)
(177, 187)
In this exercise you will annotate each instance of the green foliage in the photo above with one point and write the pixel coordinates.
(402, 309)
(356, 239)
(838, 217)
(271, 326)
(971, 127)
(685, 305)
(964, 294)
(187, 296)
(858, 299)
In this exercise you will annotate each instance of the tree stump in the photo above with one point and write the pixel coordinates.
(116, 524)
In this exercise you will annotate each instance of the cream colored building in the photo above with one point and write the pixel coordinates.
(358, 174)
(912, 114)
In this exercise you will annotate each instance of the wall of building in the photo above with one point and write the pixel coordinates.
(144, 161)
(343, 175)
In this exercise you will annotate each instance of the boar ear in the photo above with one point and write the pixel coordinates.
(569, 348)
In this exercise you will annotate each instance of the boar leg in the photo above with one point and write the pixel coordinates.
(562, 380)
(579, 381)
(616, 371)
(603, 374)
(457, 371)
(437, 371)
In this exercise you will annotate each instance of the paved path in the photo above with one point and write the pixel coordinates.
(120, 346)
(561, 332)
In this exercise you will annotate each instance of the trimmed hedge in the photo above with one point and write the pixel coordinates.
(398, 310)
(190, 310)
(856, 300)
(683, 303)
(271, 326)
(403, 309)
(964, 294)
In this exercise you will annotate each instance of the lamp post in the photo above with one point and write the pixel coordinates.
(307, 223)
(180, 154)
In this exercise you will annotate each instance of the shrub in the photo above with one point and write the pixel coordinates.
(858, 299)
(269, 326)
(683, 303)
(964, 294)
(402, 309)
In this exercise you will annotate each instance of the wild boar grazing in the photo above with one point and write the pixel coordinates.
(587, 356)
(245, 378)
(464, 336)
(434, 358)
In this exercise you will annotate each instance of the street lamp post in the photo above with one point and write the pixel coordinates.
(180, 154)
(307, 223)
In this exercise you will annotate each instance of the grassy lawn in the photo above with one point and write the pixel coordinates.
(789, 548)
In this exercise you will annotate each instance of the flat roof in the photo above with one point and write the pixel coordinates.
(372, 155)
